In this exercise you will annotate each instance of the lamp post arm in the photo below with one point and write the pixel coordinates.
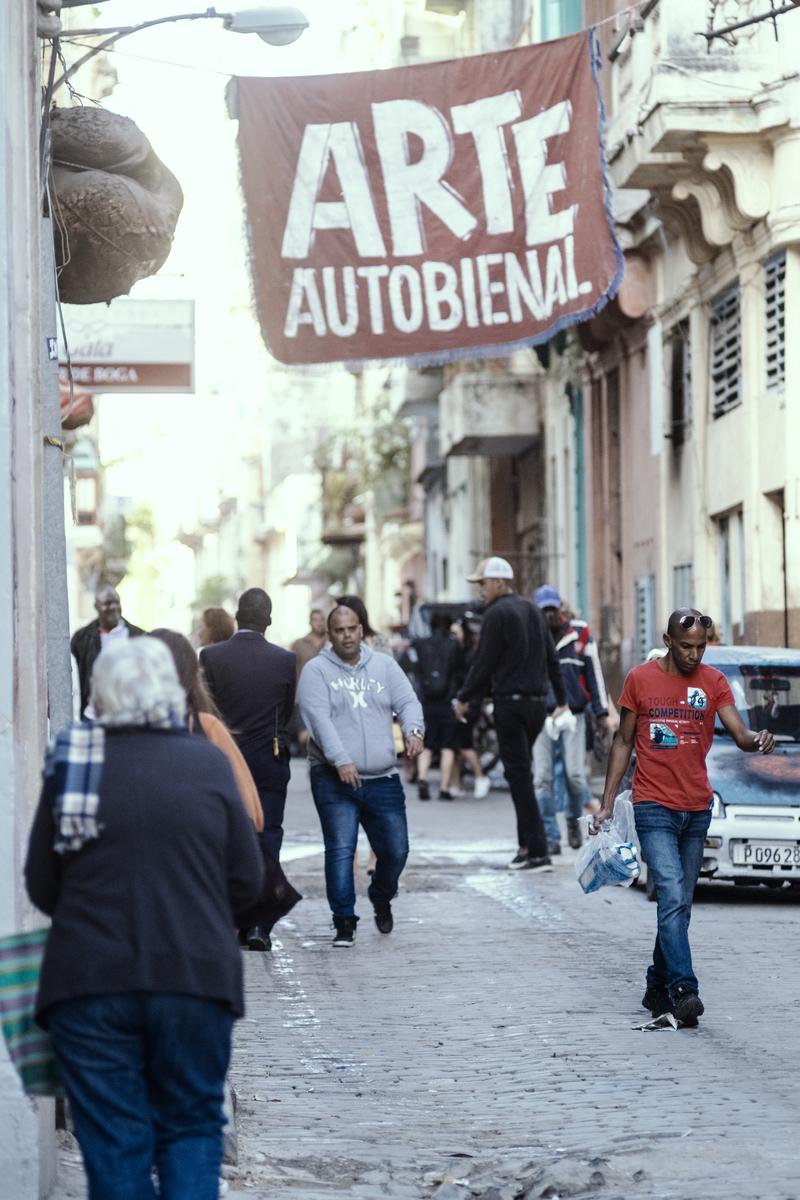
(121, 33)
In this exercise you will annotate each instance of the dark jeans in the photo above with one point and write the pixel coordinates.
(518, 724)
(271, 776)
(672, 846)
(379, 805)
(145, 1074)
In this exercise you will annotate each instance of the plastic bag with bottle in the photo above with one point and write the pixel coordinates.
(610, 858)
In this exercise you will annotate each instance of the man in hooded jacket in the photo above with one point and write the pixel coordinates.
(347, 699)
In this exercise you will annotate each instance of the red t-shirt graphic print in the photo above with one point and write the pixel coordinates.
(674, 730)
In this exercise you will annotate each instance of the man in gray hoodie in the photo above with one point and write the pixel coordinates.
(347, 699)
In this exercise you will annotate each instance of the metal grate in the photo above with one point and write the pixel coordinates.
(726, 352)
(774, 318)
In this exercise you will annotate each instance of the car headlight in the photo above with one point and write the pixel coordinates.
(717, 807)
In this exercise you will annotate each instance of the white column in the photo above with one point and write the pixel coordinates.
(791, 444)
(22, 631)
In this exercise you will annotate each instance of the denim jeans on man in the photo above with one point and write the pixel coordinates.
(379, 805)
(572, 745)
(145, 1075)
(518, 722)
(672, 844)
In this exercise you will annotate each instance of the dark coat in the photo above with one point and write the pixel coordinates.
(85, 646)
(252, 684)
(515, 655)
(151, 904)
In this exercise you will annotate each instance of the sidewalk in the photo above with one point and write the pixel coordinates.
(484, 1049)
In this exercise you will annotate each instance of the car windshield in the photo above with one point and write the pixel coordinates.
(767, 697)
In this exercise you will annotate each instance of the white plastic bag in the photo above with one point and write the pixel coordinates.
(611, 857)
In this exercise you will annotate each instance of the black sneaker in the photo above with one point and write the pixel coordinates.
(446, 796)
(423, 791)
(345, 931)
(553, 848)
(536, 864)
(519, 860)
(383, 915)
(687, 1007)
(656, 1000)
(574, 835)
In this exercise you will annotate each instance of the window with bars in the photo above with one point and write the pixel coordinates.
(774, 319)
(680, 383)
(726, 352)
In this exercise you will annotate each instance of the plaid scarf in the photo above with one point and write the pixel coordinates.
(75, 761)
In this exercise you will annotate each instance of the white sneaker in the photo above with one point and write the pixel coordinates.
(482, 787)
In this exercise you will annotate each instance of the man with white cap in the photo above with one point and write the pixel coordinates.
(516, 663)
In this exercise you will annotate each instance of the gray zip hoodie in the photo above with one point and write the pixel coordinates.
(348, 710)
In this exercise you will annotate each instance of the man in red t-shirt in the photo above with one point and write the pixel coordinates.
(667, 712)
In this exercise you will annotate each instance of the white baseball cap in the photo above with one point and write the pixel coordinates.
(491, 568)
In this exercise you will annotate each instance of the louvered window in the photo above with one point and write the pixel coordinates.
(683, 585)
(644, 615)
(680, 383)
(775, 340)
(726, 352)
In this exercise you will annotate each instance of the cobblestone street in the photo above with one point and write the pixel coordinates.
(485, 1048)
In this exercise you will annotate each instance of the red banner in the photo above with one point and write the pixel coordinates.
(427, 213)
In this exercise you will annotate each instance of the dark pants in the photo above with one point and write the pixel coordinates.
(518, 724)
(271, 776)
(144, 1074)
(379, 805)
(672, 846)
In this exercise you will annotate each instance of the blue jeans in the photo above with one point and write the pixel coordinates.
(145, 1074)
(572, 748)
(379, 805)
(672, 846)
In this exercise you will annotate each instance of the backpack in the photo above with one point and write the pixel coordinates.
(436, 659)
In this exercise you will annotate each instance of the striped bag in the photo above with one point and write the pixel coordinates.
(28, 1046)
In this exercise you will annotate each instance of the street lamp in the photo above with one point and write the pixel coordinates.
(278, 26)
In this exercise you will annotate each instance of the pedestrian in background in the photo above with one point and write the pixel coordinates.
(142, 854)
(252, 683)
(516, 662)
(465, 729)
(108, 626)
(585, 688)
(435, 660)
(203, 720)
(304, 649)
(348, 696)
(216, 625)
(668, 709)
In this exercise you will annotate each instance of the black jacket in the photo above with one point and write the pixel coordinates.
(252, 684)
(150, 905)
(85, 646)
(515, 654)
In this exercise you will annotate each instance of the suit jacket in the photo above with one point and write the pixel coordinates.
(252, 684)
(85, 646)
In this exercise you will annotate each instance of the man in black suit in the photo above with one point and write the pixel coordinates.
(87, 642)
(252, 684)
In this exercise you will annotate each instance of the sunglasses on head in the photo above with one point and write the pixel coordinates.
(688, 621)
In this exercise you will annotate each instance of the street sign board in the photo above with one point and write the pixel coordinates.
(129, 346)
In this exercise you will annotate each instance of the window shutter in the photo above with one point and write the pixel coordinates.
(680, 383)
(726, 352)
(644, 612)
(775, 340)
(683, 585)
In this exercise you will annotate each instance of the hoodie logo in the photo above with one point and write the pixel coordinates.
(357, 686)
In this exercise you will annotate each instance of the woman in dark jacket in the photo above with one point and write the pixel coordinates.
(142, 853)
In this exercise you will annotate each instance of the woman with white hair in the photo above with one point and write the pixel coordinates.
(142, 853)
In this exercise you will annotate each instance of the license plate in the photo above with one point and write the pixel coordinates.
(766, 854)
